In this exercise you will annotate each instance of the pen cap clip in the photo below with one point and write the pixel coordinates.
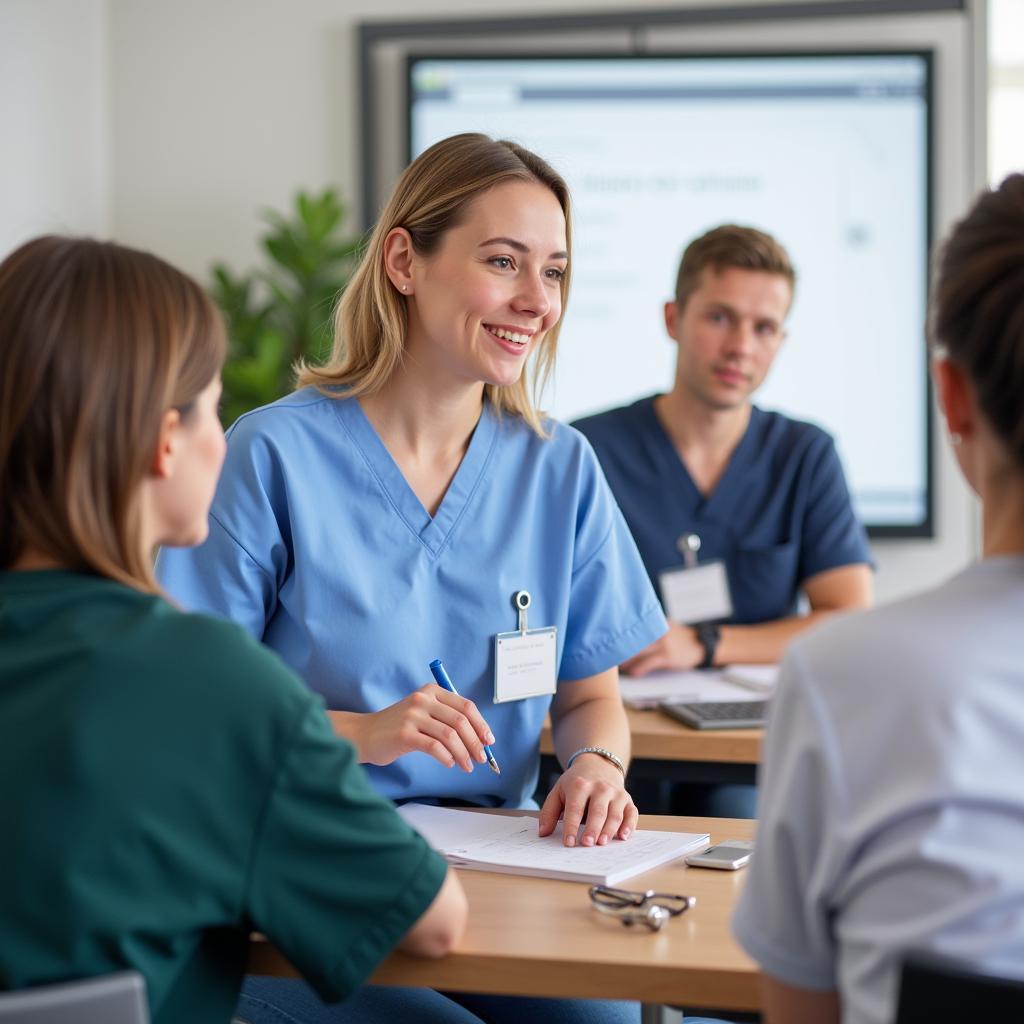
(521, 601)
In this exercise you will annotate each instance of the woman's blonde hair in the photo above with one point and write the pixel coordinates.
(97, 342)
(430, 198)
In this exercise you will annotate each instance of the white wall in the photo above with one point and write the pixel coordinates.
(217, 108)
(222, 107)
(54, 119)
(1006, 92)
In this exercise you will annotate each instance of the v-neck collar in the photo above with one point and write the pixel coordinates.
(674, 468)
(431, 531)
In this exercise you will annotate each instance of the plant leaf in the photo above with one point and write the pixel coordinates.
(284, 311)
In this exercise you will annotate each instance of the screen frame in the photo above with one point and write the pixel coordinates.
(925, 528)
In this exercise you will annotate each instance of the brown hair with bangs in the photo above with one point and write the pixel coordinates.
(97, 342)
(430, 199)
(977, 310)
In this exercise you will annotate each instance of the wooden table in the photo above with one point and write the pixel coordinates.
(529, 936)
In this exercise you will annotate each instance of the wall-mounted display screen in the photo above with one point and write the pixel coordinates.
(828, 152)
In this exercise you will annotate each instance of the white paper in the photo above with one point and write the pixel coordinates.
(510, 845)
(759, 678)
(647, 691)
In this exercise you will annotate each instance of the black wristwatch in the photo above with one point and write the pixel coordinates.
(708, 635)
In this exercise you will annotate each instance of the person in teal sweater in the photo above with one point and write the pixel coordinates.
(169, 785)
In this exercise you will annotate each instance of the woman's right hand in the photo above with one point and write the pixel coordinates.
(431, 719)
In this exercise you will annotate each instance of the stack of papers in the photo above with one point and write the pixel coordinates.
(728, 684)
(510, 845)
(759, 678)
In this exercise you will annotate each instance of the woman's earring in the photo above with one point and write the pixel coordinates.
(405, 287)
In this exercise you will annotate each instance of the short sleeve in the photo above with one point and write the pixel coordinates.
(831, 535)
(613, 610)
(337, 877)
(236, 572)
(783, 919)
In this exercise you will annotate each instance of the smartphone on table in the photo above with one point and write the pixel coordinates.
(727, 856)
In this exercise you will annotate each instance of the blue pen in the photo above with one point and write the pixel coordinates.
(437, 670)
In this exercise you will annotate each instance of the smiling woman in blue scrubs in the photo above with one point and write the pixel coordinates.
(387, 513)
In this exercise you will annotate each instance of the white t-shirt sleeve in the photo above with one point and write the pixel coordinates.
(783, 919)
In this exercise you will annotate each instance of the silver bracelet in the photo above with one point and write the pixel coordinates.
(606, 754)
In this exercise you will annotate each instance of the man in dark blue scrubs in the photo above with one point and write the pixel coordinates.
(764, 494)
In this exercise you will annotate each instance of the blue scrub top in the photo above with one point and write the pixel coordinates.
(780, 513)
(319, 547)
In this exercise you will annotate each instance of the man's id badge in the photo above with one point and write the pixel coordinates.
(700, 594)
(525, 660)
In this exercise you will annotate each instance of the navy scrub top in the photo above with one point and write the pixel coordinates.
(780, 513)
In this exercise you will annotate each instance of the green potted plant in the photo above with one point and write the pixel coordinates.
(280, 314)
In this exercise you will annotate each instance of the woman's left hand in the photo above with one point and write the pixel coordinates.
(594, 787)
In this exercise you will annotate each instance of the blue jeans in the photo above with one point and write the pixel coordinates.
(290, 1001)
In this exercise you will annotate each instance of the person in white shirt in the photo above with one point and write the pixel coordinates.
(892, 814)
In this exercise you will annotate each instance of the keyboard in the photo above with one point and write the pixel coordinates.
(740, 714)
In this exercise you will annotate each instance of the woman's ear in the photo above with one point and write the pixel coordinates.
(956, 399)
(165, 456)
(398, 259)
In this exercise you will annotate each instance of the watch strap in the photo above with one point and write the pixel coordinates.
(708, 635)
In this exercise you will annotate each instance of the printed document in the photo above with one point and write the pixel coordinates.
(510, 845)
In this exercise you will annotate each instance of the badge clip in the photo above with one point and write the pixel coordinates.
(688, 545)
(521, 600)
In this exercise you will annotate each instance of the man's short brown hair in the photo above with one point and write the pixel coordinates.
(730, 245)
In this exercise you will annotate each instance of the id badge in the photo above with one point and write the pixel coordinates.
(525, 661)
(699, 594)
(525, 664)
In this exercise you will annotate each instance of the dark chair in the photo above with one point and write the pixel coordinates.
(934, 989)
(109, 999)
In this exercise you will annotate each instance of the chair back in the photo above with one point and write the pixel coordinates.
(109, 999)
(935, 989)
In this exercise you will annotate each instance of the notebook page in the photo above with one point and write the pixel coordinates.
(511, 844)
